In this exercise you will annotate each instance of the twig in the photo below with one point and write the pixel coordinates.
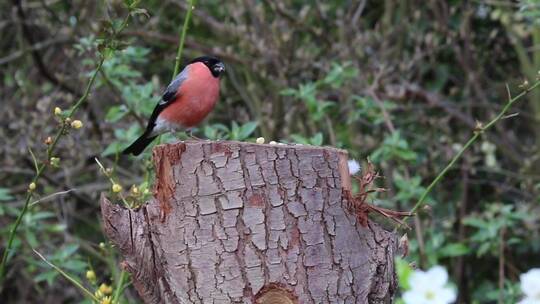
(33, 48)
(479, 130)
(51, 196)
(112, 181)
(371, 91)
(438, 101)
(40, 172)
(501, 265)
(358, 204)
(68, 277)
(27, 32)
(420, 239)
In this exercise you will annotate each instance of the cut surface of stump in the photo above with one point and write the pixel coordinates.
(234, 222)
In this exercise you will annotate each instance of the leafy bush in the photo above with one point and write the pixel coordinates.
(403, 83)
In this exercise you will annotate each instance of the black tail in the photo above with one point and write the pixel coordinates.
(139, 145)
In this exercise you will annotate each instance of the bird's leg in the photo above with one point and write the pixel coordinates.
(176, 133)
(189, 133)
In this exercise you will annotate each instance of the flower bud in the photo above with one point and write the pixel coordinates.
(98, 294)
(55, 162)
(76, 124)
(57, 111)
(524, 84)
(272, 142)
(48, 140)
(105, 289)
(106, 300)
(260, 140)
(32, 186)
(91, 276)
(116, 188)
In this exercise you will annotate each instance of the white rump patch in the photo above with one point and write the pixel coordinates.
(163, 126)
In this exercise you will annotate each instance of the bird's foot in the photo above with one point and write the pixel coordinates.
(189, 133)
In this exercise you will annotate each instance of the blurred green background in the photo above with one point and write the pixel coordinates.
(401, 82)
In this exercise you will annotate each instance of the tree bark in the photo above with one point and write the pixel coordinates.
(235, 222)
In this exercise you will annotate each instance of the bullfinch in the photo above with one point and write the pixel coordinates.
(186, 102)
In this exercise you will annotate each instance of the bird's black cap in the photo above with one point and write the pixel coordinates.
(214, 64)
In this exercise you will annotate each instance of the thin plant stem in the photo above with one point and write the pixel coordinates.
(119, 286)
(183, 34)
(182, 38)
(68, 277)
(112, 181)
(40, 171)
(501, 265)
(50, 151)
(477, 132)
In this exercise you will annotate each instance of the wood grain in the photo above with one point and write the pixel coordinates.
(239, 222)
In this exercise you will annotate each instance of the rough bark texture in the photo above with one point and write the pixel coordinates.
(246, 223)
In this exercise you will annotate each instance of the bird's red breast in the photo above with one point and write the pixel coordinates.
(194, 99)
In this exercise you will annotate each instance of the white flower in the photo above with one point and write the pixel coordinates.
(429, 287)
(354, 166)
(530, 285)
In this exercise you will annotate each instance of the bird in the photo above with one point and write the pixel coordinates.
(187, 100)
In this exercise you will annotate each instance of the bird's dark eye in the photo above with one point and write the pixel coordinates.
(219, 67)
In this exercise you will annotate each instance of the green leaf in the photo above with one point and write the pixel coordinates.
(235, 130)
(484, 248)
(69, 277)
(404, 271)
(317, 139)
(216, 131)
(115, 113)
(40, 216)
(56, 228)
(67, 251)
(140, 11)
(74, 265)
(247, 129)
(113, 148)
(4, 195)
(31, 239)
(48, 276)
(475, 222)
(288, 92)
(454, 250)
(300, 139)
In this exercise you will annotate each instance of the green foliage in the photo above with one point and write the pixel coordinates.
(400, 82)
(235, 132)
(308, 92)
(366, 109)
(137, 100)
(123, 139)
(487, 228)
(66, 257)
(394, 147)
(403, 271)
(315, 140)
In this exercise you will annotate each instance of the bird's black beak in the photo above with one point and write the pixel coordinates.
(219, 67)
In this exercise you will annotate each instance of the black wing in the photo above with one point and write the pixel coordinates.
(167, 98)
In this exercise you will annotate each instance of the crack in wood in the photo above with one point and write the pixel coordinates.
(285, 234)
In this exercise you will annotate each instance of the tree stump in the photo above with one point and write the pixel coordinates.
(236, 222)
